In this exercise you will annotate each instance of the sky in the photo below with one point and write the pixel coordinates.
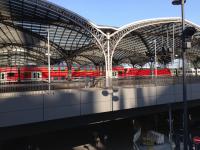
(120, 12)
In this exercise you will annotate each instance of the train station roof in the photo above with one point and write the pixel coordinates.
(24, 34)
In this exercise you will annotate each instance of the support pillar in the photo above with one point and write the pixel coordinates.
(97, 68)
(108, 62)
(133, 64)
(101, 70)
(69, 67)
(19, 74)
(170, 124)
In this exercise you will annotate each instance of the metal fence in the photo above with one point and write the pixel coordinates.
(100, 82)
(149, 81)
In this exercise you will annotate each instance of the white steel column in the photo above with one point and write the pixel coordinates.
(173, 48)
(49, 64)
(108, 62)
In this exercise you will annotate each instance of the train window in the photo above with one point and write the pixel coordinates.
(38, 75)
(55, 78)
(2, 76)
(11, 74)
(55, 68)
(34, 75)
(120, 72)
(62, 68)
(26, 74)
(62, 78)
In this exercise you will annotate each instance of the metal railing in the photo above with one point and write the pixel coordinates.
(100, 82)
(149, 81)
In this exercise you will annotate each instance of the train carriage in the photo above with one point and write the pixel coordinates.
(60, 73)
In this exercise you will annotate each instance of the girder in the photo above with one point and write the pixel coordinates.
(124, 30)
(55, 12)
(35, 35)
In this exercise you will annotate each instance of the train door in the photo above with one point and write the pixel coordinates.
(115, 74)
(36, 76)
(3, 76)
(198, 72)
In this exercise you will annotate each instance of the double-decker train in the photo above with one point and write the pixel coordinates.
(120, 72)
(59, 73)
(40, 73)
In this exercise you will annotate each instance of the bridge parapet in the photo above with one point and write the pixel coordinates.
(36, 106)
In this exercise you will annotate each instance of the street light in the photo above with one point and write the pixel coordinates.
(185, 118)
(155, 49)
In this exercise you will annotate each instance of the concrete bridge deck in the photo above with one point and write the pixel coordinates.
(18, 108)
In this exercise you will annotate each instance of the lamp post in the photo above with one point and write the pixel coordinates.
(185, 116)
(155, 49)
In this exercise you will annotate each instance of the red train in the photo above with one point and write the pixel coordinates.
(132, 72)
(40, 73)
(31, 73)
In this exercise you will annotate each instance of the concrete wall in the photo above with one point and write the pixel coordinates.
(28, 107)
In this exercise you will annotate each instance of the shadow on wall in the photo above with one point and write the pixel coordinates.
(127, 98)
(38, 106)
(22, 108)
(62, 104)
(95, 101)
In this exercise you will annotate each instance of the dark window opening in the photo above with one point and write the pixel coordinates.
(11, 74)
(26, 74)
(62, 68)
(38, 75)
(2, 76)
(62, 78)
(55, 78)
(34, 75)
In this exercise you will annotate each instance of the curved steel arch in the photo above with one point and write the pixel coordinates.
(88, 58)
(117, 36)
(129, 46)
(94, 59)
(142, 39)
(82, 59)
(44, 39)
(35, 35)
(66, 15)
(38, 11)
(35, 58)
(31, 48)
(124, 30)
(54, 45)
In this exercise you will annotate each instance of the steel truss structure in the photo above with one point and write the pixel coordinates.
(74, 39)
